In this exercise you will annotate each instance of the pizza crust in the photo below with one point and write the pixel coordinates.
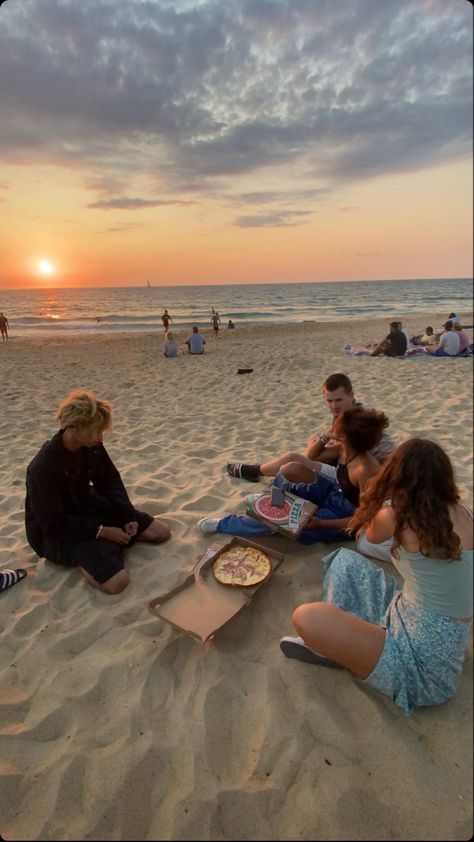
(242, 566)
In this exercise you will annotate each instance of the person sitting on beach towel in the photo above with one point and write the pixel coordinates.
(406, 642)
(336, 491)
(394, 345)
(77, 511)
(448, 345)
(338, 393)
(464, 341)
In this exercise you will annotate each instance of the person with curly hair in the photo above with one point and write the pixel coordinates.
(335, 490)
(406, 641)
(77, 510)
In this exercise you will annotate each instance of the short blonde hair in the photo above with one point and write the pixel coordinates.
(169, 335)
(83, 410)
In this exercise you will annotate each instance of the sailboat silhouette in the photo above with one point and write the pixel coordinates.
(148, 284)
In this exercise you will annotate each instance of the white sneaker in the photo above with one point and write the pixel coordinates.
(208, 524)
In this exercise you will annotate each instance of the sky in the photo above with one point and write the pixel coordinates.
(235, 141)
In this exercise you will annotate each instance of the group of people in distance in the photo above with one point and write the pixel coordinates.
(406, 641)
(195, 341)
(452, 342)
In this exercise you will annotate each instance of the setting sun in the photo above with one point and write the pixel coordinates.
(45, 267)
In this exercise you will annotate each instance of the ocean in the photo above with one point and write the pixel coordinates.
(61, 312)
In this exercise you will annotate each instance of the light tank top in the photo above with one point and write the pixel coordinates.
(444, 587)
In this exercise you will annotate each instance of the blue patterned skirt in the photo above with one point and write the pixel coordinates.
(422, 658)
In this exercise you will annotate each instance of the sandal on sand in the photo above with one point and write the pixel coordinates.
(248, 472)
(8, 578)
(295, 647)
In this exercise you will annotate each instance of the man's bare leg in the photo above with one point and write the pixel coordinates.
(156, 533)
(271, 468)
(115, 585)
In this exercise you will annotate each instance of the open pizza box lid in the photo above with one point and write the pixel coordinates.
(201, 604)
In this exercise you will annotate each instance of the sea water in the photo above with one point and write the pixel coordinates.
(60, 312)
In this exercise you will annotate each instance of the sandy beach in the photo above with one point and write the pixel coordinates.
(114, 725)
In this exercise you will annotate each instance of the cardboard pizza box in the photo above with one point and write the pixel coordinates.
(289, 519)
(201, 605)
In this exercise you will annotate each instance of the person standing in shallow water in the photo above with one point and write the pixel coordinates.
(166, 319)
(215, 320)
(4, 327)
(77, 510)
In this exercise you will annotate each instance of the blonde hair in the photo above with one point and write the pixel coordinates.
(169, 335)
(83, 410)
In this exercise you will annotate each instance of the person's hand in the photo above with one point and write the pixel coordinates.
(313, 439)
(115, 534)
(131, 528)
(313, 523)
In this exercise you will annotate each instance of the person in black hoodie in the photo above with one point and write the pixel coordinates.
(77, 510)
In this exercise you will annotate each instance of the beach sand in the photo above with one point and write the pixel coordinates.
(113, 724)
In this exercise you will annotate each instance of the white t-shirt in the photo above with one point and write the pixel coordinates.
(196, 342)
(449, 342)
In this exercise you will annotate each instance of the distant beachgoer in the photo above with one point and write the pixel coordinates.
(428, 337)
(230, 324)
(170, 346)
(464, 340)
(448, 345)
(454, 319)
(405, 331)
(195, 342)
(4, 325)
(406, 641)
(394, 345)
(216, 320)
(166, 319)
(77, 510)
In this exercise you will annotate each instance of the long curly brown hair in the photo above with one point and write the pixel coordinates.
(418, 478)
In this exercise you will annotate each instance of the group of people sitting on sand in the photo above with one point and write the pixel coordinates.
(452, 341)
(399, 503)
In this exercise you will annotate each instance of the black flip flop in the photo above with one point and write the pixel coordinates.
(249, 472)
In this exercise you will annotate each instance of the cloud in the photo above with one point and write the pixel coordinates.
(197, 95)
(277, 219)
(125, 203)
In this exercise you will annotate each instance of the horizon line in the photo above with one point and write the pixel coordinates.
(149, 285)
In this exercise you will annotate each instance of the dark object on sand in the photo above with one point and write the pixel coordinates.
(245, 371)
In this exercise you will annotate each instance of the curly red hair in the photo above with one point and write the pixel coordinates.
(418, 479)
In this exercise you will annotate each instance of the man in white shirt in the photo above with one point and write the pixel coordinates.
(448, 345)
(195, 342)
(338, 394)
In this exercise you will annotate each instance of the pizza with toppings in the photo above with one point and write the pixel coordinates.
(242, 566)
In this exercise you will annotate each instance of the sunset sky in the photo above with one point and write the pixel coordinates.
(227, 141)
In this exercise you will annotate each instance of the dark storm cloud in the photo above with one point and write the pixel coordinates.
(191, 94)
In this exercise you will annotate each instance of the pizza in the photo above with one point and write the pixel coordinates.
(277, 514)
(242, 566)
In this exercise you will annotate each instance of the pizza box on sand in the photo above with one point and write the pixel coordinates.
(289, 519)
(201, 604)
